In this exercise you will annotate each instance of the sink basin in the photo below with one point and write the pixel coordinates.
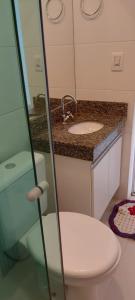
(85, 127)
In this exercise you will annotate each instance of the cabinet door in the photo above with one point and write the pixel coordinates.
(73, 179)
(100, 187)
(114, 168)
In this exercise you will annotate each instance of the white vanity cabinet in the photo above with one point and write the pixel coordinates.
(85, 187)
(73, 178)
(114, 167)
(100, 188)
(106, 179)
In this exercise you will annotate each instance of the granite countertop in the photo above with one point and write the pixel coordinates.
(87, 146)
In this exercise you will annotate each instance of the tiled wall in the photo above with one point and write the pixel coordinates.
(59, 48)
(95, 40)
(31, 32)
(60, 52)
(13, 130)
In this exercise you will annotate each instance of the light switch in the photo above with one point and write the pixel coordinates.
(117, 61)
(38, 63)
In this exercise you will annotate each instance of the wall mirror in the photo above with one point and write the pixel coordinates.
(59, 47)
(70, 28)
(78, 49)
(59, 43)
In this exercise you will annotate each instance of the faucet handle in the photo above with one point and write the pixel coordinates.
(70, 114)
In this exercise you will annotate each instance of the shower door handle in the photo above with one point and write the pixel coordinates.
(37, 191)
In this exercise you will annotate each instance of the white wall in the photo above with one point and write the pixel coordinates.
(95, 40)
(13, 124)
(29, 14)
(112, 31)
(59, 48)
(60, 51)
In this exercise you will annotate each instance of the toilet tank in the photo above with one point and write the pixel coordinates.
(17, 214)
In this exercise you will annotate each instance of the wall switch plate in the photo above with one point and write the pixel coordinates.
(117, 61)
(38, 63)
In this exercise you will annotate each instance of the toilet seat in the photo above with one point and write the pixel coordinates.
(89, 247)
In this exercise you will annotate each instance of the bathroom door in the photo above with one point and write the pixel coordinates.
(24, 260)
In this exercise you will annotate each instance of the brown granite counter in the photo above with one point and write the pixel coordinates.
(87, 146)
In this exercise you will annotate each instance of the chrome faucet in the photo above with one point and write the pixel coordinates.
(40, 95)
(68, 114)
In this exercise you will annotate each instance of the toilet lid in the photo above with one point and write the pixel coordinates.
(89, 247)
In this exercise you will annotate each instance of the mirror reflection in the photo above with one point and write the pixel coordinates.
(79, 117)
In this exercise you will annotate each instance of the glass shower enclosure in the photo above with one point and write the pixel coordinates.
(26, 229)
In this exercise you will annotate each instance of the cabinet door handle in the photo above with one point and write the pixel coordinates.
(37, 191)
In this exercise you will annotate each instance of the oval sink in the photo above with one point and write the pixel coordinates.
(85, 127)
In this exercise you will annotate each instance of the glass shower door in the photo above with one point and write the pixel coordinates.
(21, 277)
(24, 237)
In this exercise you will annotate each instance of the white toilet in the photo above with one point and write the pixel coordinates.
(91, 252)
(17, 215)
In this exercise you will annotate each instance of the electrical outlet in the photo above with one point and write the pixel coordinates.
(117, 61)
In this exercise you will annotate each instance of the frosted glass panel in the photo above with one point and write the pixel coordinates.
(24, 269)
